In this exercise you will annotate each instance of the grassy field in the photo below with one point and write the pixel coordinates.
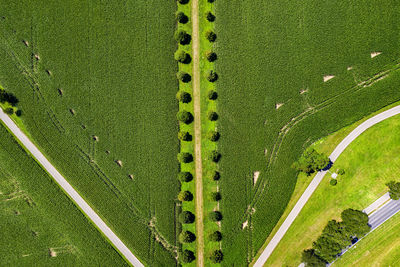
(274, 101)
(96, 82)
(363, 183)
(40, 225)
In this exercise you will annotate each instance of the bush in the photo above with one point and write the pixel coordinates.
(185, 157)
(185, 196)
(181, 18)
(211, 1)
(394, 190)
(184, 136)
(211, 56)
(311, 161)
(210, 16)
(212, 95)
(18, 113)
(182, 57)
(341, 172)
(212, 76)
(213, 136)
(187, 237)
(211, 36)
(183, 97)
(9, 111)
(215, 176)
(333, 182)
(182, 37)
(215, 156)
(183, 76)
(185, 177)
(216, 196)
(186, 217)
(215, 236)
(215, 216)
(212, 116)
(187, 256)
(183, 2)
(184, 116)
(216, 256)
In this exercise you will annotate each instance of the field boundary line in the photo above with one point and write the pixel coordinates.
(69, 190)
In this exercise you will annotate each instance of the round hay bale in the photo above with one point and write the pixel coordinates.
(73, 112)
(95, 138)
(119, 163)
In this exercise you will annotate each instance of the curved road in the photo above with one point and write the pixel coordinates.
(318, 178)
(70, 191)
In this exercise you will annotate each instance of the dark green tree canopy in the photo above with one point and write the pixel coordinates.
(212, 76)
(212, 115)
(181, 17)
(215, 216)
(216, 256)
(215, 176)
(211, 56)
(216, 196)
(311, 259)
(210, 16)
(183, 2)
(183, 76)
(187, 256)
(185, 177)
(394, 190)
(187, 237)
(185, 196)
(211, 36)
(212, 95)
(183, 97)
(355, 222)
(185, 117)
(311, 161)
(186, 217)
(185, 157)
(185, 136)
(182, 37)
(215, 236)
(213, 136)
(215, 156)
(182, 57)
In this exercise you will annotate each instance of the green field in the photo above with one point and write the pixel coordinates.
(277, 52)
(104, 70)
(363, 183)
(41, 226)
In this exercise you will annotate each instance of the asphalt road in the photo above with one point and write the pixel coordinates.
(69, 190)
(318, 178)
(384, 213)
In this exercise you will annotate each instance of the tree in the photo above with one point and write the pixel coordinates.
(212, 76)
(333, 182)
(9, 111)
(215, 236)
(182, 37)
(311, 161)
(182, 57)
(184, 136)
(211, 1)
(187, 256)
(184, 116)
(212, 115)
(185, 196)
(210, 16)
(18, 113)
(181, 17)
(216, 196)
(187, 237)
(211, 56)
(215, 156)
(394, 190)
(213, 136)
(212, 95)
(186, 217)
(337, 232)
(185, 157)
(183, 76)
(216, 256)
(356, 222)
(309, 258)
(185, 177)
(215, 216)
(326, 248)
(215, 175)
(183, 97)
(211, 36)
(183, 2)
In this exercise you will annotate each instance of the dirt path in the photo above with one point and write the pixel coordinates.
(197, 132)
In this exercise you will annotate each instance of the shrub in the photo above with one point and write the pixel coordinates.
(215, 236)
(333, 182)
(181, 18)
(215, 156)
(210, 16)
(211, 56)
(183, 2)
(212, 76)
(183, 76)
(183, 97)
(9, 111)
(212, 95)
(341, 172)
(211, 1)
(184, 116)
(215, 216)
(184, 136)
(187, 237)
(185, 177)
(311, 161)
(211, 36)
(212, 115)
(186, 217)
(213, 136)
(182, 57)
(18, 113)
(185, 157)
(215, 175)
(187, 256)
(216, 256)
(394, 190)
(182, 37)
(185, 196)
(216, 196)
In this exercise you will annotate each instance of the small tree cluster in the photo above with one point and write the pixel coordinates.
(311, 161)
(185, 157)
(215, 156)
(394, 190)
(182, 37)
(8, 97)
(187, 256)
(184, 116)
(311, 259)
(181, 17)
(216, 196)
(211, 36)
(185, 136)
(215, 176)
(186, 217)
(187, 237)
(185, 177)
(212, 95)
(212, 115)
(185, 196)
(182, 57)
(213, 136)
(215, 236)
(211, 56)
(212, 76)
(215, 216)
(183, 97)
(216, 256)
(210, 16)
(183, 76)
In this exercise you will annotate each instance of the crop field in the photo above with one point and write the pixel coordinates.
(96, 83)
(39, 224)
(291, 73)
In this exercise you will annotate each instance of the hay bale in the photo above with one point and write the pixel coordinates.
(83, 126)
(37, 57)
(72, 111)
(26, 43)
(95, 138)
(130, 176)
(60, 92)
(49, 72)
(119, 163)
(107, 152)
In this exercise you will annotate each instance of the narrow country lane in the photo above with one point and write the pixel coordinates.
(69, 190)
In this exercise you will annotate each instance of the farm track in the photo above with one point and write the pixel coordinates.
(197, 133)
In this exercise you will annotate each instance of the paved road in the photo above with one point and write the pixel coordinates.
(69, 189)
(318, 178)
(384, 213)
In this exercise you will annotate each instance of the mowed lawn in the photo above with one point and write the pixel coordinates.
(40, 226)
(96, 83)
(369, 162)
(273, 101)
